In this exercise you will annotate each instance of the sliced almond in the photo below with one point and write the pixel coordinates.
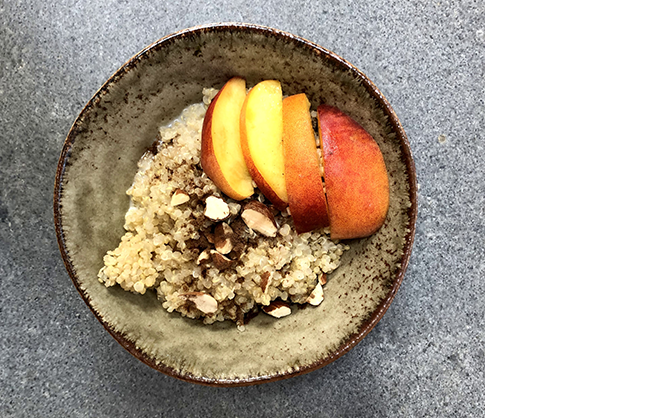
(204, 256)
(204, 302)
(223, 238)
(216, 208)
(277, 308)
(179, 197)
(223, 230)
(224, 247)
(323, 279)
(316, 297)
(259, 218)
(265, 279)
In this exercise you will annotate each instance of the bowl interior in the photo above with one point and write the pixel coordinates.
(119, 124)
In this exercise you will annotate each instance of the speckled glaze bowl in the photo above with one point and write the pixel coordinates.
(98, 162)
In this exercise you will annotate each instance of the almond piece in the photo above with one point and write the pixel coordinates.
(216, 208)
(277, 308)
(179, 197)
(204, 302)
(259, 218)
(224, 247)
(265, 279)
(316, 297)
(220, 261)
(204, 256)
(223, 238)
(323, 279)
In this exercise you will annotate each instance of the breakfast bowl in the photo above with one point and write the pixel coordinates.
(121, 123)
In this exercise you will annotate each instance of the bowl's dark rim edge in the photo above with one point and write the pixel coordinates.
(374, 318)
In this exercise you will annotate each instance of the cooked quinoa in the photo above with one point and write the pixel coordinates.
(161, 247)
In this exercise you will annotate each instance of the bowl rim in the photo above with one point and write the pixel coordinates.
(326, 54)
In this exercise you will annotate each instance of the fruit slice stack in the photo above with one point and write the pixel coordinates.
(260, 138)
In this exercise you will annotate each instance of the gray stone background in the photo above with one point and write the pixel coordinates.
(426, 356)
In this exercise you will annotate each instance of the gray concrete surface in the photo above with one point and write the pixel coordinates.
(426, 356)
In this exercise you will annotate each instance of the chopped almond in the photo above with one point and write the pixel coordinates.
(204, 302)
(220, 261)
(224, 238)
(259, 218)
(316, 297)
(216, 208)
(278, 309)
(204, 256)
(179, 197)
(265, 279)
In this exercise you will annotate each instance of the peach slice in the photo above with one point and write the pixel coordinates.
(357, 185)
(306, 197)
(221, 153)
(261, 138)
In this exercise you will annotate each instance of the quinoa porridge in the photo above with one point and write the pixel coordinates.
(205, 255)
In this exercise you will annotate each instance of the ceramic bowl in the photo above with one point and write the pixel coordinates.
(98, 162)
